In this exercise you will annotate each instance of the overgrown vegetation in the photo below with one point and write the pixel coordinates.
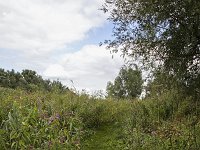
(53, 120)
(40, 114)
(165, 37)
(166, 119)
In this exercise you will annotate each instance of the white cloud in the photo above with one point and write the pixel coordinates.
(91, 68)
(41, 26)
(33, 32)
(56, 71)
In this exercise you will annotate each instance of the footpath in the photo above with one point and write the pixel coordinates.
(106, 137)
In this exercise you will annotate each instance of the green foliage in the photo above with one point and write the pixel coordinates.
(128, 84)
(28, 80)
(163, 81)
(168, 121)
(106, 137)
(164, 32)
(30, 125)
(44, 120)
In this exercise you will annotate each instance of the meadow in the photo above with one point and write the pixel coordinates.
(160, 44)
(65, 120)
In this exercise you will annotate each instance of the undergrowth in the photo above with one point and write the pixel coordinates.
(164, 122)
(53, 120)
(50, 120)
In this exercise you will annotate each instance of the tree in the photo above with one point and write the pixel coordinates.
(162, 82)
(164, 31)
(128, 84)
(31, 76)
(29, 80)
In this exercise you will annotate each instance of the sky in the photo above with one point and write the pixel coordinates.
(59, 39)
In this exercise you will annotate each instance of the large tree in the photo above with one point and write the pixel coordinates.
(164, 31)
(128, 84)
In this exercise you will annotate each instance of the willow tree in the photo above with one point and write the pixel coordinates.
(163, 31)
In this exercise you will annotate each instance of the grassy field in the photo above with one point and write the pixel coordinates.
(50, 120)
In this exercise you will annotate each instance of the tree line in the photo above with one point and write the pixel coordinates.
(28, 80)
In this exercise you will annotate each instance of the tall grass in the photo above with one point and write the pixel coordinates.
(52, 120)
(168, 121)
